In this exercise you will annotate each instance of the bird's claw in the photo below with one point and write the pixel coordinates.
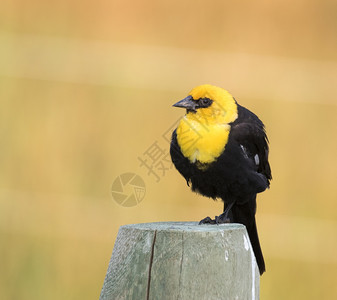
(207, 220)
(221, 220)
(217, 220)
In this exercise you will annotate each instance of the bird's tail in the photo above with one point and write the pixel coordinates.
(245, 214)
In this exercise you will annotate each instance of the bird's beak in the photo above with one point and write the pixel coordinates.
(187, 103)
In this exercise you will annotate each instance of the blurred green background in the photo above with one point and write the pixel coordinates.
(86, 88)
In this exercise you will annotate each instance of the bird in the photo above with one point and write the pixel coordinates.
(221, 149)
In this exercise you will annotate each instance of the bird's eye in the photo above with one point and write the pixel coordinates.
(205, 102)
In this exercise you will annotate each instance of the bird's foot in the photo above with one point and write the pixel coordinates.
(207, 220)
(222, 219)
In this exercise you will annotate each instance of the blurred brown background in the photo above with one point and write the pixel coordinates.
(86, 88)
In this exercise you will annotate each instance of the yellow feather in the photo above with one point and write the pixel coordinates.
(203, 135)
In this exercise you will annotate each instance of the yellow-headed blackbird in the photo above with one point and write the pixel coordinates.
(221, 149)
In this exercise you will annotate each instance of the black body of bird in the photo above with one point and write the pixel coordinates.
(221, 149)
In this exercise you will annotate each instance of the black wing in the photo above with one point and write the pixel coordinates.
(249, 132)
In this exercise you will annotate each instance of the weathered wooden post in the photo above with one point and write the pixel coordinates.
(182, 260)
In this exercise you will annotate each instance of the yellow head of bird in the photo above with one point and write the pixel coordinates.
(209, 104)
(203, 133)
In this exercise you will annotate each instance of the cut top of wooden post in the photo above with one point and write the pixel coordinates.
(182, 260)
